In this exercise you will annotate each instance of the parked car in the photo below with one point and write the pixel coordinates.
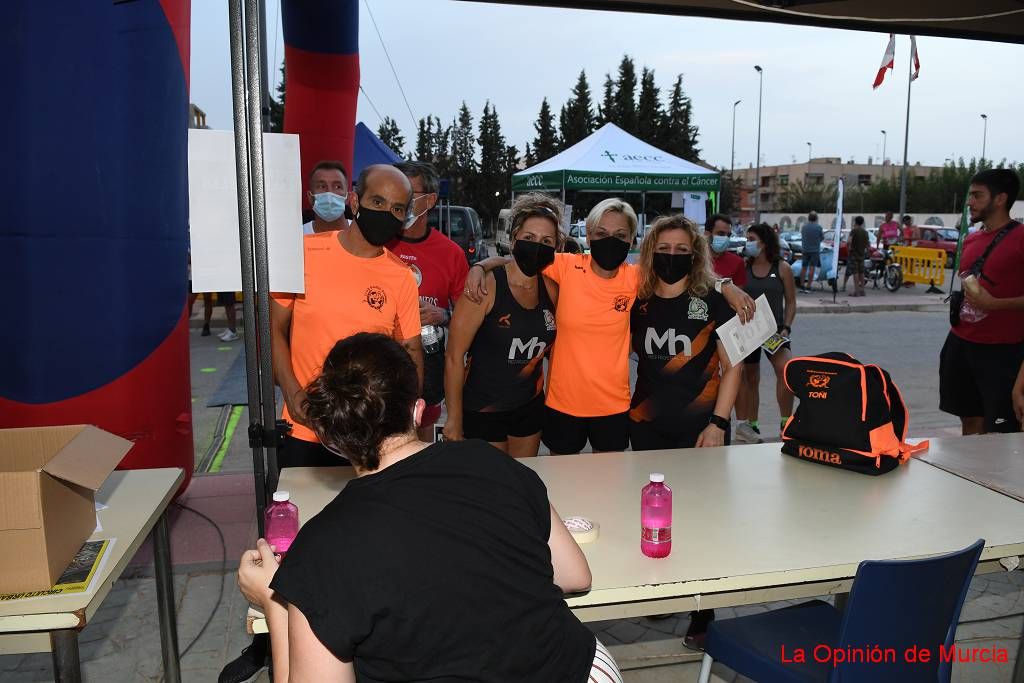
(578, 236)
(844, 245)
(503, 240)
(793, 240)
(464, 228)
(939, 238)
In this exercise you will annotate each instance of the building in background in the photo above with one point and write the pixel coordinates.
(820, 171)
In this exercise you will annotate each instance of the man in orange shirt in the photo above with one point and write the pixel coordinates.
(353, 284)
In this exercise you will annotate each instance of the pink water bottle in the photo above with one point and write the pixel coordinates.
(656, 518)
(281, 523)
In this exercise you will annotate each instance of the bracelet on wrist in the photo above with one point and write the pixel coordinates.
(719, 422)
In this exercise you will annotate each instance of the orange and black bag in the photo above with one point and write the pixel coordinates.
(851, 415)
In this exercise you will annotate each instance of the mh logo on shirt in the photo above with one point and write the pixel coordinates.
(525, 351)
(667, 344)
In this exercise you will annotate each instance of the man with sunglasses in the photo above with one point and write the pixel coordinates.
(440, 268)
(353, 284)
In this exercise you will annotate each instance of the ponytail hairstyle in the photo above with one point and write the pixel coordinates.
(364, 394)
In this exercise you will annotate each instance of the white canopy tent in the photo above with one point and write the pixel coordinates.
(612, 160)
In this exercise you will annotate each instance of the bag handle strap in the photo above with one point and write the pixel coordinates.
(976, 269)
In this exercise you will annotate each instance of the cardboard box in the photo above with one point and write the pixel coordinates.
(48, 477)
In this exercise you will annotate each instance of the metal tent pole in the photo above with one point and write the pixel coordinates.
(245, 87)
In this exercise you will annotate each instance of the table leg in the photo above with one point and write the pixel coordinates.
(841, 600)
(66, 666)
(165, 600)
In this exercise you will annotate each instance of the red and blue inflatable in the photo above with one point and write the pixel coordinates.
(93, 250)
(321, 52)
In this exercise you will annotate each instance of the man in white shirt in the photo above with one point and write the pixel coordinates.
(328, 190)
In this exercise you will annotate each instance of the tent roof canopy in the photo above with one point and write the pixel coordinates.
(611, 159)
(998, 20)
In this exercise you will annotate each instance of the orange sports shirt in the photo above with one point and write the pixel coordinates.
(589, 373)
(345, 295)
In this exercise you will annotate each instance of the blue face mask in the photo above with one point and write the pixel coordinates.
(719, 243)
(329, 206)
(751, 249)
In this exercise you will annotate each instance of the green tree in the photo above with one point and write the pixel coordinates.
(425, 139)
(528, 157)
(493, 152)
(606, 112)
(277, 106)
(545, 144)
(800, 197)
(441, 156)
(648, 111)
(576, 120)
(678, 133)
(391, 135)
(625, 94)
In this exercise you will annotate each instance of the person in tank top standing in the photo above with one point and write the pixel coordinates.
(767, 274)
(494, 364)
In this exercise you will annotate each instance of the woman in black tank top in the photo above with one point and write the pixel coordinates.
(494, 363)
(767, 274)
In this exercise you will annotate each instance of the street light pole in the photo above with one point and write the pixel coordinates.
(757, 181)
(984, 135)
(884, 136)
(808, 157)
(732, 158)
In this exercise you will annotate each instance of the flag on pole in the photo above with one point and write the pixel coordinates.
(833, 267)
(914, 58)
(887, 60)
(965, 224)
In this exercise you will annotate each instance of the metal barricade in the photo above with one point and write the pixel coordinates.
(926, 266)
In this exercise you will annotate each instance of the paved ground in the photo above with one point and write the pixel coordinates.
(122, 642)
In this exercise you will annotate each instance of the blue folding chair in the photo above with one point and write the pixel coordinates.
(897, 604)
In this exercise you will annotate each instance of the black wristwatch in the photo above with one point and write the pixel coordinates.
(787, 328)
(719, 422)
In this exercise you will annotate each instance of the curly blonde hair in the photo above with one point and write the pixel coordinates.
(702, 280)
(537, 204)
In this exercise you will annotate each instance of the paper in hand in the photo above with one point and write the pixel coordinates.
(741, 340)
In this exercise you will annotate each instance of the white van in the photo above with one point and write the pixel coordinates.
(502, 238)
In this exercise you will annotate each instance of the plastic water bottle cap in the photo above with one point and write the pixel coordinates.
(282, 496)
(656, 477)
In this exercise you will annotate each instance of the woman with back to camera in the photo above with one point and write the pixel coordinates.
(437, 562)
(767, 274)
(494, 364)
(685, 387)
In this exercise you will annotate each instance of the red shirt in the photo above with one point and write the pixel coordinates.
(728, 264)
(1004, 278)
(439, 265)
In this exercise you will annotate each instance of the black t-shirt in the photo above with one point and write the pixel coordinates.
(677, 348)
(438, 568)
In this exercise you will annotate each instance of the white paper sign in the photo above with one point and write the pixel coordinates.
(213, 211)
(741, 340)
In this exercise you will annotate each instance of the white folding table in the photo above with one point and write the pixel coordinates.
(136, 501)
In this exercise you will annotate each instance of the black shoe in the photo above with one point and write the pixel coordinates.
(697, 633)
(250, 663)
(205, 332)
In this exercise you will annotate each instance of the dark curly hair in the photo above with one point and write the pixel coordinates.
(769, 239)
(364, 394)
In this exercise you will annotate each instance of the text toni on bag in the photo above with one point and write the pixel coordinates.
(851, 415)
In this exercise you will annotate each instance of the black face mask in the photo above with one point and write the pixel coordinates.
(378, 227)
(532, 257)
(671, 268)
(609, 252)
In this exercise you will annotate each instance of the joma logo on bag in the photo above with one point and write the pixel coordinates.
(820, 455)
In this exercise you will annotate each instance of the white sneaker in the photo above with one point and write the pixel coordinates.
(746, 434)
(228, 336)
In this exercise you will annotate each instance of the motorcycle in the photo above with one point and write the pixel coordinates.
(882, 266)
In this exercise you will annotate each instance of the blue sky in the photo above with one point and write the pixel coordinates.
(817, 82)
